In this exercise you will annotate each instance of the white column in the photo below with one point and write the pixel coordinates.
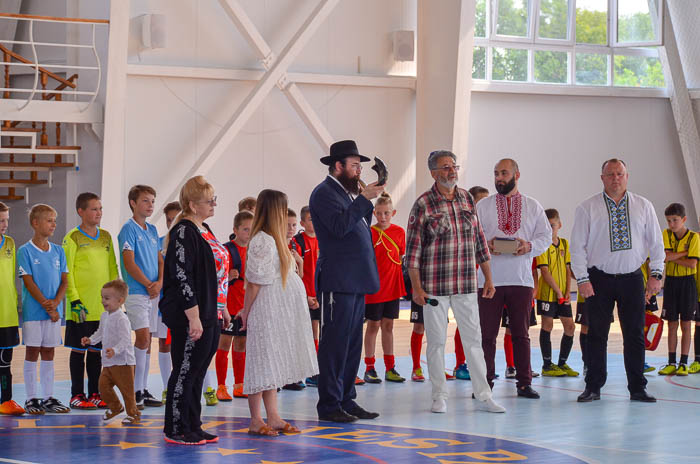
(443, 87)
(113, 197)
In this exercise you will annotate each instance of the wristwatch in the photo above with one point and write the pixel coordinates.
(656, 275)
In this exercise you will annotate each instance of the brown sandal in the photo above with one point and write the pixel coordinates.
(288, 429)
(264, 431)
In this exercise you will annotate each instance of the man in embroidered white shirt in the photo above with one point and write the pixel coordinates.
(614, 232)
(510, 214)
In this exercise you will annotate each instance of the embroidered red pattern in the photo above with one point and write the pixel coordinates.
(509, 213)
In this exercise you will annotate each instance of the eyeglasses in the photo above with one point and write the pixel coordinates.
(211, 202)
(447, 169)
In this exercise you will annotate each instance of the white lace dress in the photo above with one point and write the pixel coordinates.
(279, 345)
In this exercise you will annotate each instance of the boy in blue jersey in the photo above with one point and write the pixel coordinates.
(142, 269)
(44, 273)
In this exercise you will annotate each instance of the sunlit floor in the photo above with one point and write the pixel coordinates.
(553, 429)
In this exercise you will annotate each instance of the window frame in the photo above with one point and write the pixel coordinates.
(613, 20)
(570, 26)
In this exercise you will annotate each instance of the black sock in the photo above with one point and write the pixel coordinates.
(697, 343)
(567, 341)
(684, 359)
(77, 373)
(5, 374)
(583, 340)
(546, 347)
(671, 357)
(94, 368)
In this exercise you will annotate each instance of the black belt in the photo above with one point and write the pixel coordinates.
(616, 276)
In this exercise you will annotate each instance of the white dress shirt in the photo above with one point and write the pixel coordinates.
(598, 241)
(115, 332)
(528, 223)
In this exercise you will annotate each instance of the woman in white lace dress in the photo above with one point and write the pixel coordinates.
(280, 348)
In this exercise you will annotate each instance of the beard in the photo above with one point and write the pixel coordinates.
(351, 184)
(447, 183)
(506, 188)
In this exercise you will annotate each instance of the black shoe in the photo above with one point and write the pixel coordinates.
(150, 400)
(293, 387)
(528, 392)
(208, 437)
(190, 438)
(588, 395)
(642, 396)
(361, 413)
(337, 416)
(139, 400)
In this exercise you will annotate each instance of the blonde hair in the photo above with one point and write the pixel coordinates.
(271, 218)
(195, 189)
(247, 204)
(384, 199)
(118, 286)
(39, 210)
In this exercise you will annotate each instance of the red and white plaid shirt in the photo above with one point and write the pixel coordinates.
(445, 242)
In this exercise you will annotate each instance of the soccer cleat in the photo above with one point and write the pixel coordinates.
(552, 371)
(462, 372)
(139, 400)
(371, 376)
(668, 369)
(647, 368)
(150, 400)
(131, 420)
(238, 391)
(54, 406)
(682, 370)
(568, 370)
(109, 414)
(449, 376)
(222, 393)
(417, 375)
(694, 368)
(190, 438)
(80, 402)
(96, 399)
(210, 397)
(359, 381)
(34, 407)
(510, 372)
(393, 376)
(312, 381)
(165, 395)
(11, 408)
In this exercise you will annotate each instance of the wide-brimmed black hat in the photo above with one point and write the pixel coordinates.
(341, 150)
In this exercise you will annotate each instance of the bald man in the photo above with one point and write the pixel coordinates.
(508, 214)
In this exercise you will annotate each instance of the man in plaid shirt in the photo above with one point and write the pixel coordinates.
(443, 247)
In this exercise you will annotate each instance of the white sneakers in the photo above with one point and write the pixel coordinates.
(489, 405)
(439, 406)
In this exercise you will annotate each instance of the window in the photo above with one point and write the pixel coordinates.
(588, 43)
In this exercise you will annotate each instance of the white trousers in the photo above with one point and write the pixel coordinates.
(466, 310)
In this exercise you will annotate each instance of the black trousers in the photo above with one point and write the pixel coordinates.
(339, 350)
(628, 292)
(183, 406)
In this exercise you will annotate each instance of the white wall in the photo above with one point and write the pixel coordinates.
(560, 143)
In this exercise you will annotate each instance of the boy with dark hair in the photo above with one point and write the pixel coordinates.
(142, 269)
(247, 204)
(91, 263)
(42, 267)
(554, 300)
(680, 289)
(9, 320)
(291, 231)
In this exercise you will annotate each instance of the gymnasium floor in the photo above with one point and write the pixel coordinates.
(554, 429)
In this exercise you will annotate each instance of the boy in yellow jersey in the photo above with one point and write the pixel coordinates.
(680, 290)
(9, 322)
(91, 263)
(554, 300)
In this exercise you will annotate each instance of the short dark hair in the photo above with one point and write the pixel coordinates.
(247, 204)
(136, 191)
(612, 160)
(84, 198)
(242, 216)
(331, 167)
(172, 206)
(304, 213)
(551, 213)
(291, 213)
(675, 209)
(478, 190)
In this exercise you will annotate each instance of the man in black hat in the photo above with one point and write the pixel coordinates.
(345, 272)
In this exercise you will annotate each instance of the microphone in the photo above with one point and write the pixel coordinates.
(431, 301)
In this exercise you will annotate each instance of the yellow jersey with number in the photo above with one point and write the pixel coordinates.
(557, 259)
(690, 242)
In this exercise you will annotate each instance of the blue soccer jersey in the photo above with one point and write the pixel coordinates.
(146, 248)
(46, 269)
